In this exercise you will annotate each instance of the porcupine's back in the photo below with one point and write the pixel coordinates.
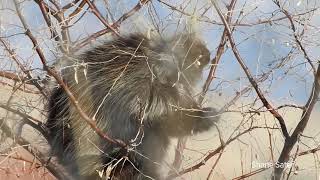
(107, 69)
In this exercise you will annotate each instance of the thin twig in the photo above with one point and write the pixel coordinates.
(96, 12)
(22, 67)
(115, 25)
(293, 27)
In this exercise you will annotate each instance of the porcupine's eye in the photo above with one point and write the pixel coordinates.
(198, 62)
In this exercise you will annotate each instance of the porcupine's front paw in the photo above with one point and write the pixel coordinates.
(205, 119)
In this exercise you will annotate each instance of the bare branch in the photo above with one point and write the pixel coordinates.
(21, 66)
(293, 27)
(290, 142)
(115, 25)
(265, 102)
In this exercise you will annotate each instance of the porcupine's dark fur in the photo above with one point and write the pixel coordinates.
(138, 90)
